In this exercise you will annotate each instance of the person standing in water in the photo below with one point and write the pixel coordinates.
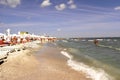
(96, 42)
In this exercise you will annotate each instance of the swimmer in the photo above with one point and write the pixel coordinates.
(96, 42)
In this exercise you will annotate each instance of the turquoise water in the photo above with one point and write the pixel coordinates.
(103, 59)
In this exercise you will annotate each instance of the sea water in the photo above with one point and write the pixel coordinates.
(100, 62)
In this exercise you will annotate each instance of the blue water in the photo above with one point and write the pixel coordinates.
(102, 62)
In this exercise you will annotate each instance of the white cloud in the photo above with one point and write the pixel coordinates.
(10, 3)
(60, 7)
(58, 29)
(117, 8)
(70, 2)
(27, 24)
(72, 6)
(45, 3)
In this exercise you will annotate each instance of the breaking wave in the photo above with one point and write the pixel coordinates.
(91, 72)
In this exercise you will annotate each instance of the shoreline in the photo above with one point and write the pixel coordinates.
(57, 66)
(47, 63)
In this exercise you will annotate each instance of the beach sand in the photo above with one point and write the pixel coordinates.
(46, 64)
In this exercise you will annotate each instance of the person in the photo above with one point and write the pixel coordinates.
(96, 42)
(14, 40)
(1, 41)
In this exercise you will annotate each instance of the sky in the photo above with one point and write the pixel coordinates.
(62, 18)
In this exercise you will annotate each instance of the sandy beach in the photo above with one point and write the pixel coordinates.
(45, 64)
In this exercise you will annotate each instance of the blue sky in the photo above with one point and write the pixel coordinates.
(62, 18)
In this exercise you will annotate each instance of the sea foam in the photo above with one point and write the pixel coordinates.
(91, 72)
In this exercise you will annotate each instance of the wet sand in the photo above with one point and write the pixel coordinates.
(46, 64)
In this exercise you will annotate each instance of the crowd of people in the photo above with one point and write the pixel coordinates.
(13, 40)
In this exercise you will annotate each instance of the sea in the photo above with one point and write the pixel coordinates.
(99, 62)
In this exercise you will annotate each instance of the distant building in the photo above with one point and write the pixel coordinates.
(23, 33)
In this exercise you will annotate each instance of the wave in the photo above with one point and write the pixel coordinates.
(111, 47)
(64, 41)
(91, 72)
